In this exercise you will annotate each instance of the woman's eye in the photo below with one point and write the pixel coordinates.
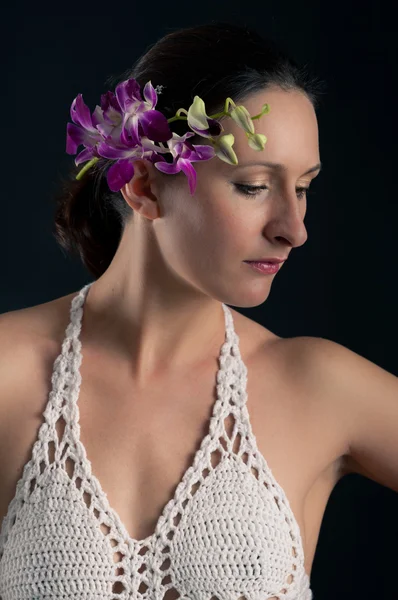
(253, 190)
(249, 190)
(303, 191)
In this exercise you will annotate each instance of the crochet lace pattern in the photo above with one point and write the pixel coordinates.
(227, 534)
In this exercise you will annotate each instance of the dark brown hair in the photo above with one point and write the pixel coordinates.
(213, 61)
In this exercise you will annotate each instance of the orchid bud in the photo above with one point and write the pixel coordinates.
(223, 149)
(265, 109)
(242, 117)
(257, 141)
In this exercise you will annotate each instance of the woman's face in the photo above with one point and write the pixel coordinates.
(205, 238)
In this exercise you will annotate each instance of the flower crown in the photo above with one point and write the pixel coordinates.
(126, 128)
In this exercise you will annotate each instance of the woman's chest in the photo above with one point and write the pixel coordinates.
(141, 443)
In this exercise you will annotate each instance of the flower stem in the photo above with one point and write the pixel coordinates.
(264, 111)
(86, 167)
(177, 118)
(215, 116)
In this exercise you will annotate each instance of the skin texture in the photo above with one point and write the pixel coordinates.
(180, 256)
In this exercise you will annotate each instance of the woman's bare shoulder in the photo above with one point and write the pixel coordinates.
(29, 341)
(35, 322)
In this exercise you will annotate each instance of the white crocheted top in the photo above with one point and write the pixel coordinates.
(228, 532)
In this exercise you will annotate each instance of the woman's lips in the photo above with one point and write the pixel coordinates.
(264, 267)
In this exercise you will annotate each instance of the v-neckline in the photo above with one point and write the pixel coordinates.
(75, 357)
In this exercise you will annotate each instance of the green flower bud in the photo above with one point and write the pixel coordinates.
(223, 149)
(257, 141)
(242, 117)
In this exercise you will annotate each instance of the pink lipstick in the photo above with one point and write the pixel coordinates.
(264, 267)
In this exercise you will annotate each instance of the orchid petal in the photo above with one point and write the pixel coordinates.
(176, 145)
(190, 173)
(150, 94)
(80, 113)
(106, 117)
(202, 152)
(214, 127)
(85, 155)
(119, 174)
(114, 153)
(197, 118)
(111, 107)
(104, 126)
(182, 138)
(76, 135)
(155, 126)
(169, 168)
(183, 149)
(113, 139)
(130, 134)
(154, 157)
(128, 94)
(199, 122)
(147, 144)
(98, 116)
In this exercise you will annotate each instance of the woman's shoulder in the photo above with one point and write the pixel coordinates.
(36, 322)
(265, 346)
(294, 363)
(29, 342)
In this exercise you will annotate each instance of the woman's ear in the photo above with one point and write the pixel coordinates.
(139, 191)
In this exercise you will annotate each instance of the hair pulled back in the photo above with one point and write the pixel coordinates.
(213, 61)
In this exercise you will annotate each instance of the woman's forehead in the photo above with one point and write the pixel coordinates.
(291, 129)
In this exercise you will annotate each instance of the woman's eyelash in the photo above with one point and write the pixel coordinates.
(253, 190)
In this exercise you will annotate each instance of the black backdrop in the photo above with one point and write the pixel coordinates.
(340, 285)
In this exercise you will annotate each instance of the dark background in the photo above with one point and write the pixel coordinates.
(341, 285)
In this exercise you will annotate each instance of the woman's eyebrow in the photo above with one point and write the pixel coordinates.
(278, 166)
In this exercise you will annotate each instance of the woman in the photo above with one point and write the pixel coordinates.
(183, 449)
